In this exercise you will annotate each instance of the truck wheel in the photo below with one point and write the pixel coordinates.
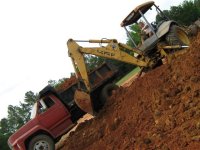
(107, 92)
(41, 142)
(177, 36)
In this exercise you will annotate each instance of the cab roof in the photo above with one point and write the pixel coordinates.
(134, 16)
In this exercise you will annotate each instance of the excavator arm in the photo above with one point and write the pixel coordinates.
(113, 50)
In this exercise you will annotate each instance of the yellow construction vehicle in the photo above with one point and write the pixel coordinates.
(167, 39)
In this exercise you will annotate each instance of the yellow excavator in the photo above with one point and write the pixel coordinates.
(168, 39)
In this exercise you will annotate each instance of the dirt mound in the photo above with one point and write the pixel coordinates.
(161, 110)
(66, 84)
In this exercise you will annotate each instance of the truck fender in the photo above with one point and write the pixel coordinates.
(34, 131)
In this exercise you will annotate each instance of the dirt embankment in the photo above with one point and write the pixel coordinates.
(160, 111)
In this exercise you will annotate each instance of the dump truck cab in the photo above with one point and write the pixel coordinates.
(51, 117)
(55, 113)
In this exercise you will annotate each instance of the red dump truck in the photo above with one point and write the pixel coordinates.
(54, 113)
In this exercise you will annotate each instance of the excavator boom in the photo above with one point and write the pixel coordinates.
(113, 50)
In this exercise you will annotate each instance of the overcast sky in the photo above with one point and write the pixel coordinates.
(33, 36)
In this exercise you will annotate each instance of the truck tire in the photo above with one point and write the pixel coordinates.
(177, 36)
(107, 92)
(41, 142)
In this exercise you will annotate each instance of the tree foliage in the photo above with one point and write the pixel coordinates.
(3, 141)
(93, 61)
(17, 116)
(55, 83)
(185, 13)
(135, 35)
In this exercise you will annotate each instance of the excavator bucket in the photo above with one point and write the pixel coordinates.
(83, 100)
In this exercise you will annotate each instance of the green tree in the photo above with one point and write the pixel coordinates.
(17, 116)
(159, 17)
(185, 13)
(4, 126)
(4, 134)
(55, 83)
(3, 141)
(52, 83)
(93, 61)
(135, 35)
(197, 3)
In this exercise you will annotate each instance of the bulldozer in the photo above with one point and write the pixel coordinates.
(168, 39)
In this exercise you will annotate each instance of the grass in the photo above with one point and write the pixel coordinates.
(126, 77)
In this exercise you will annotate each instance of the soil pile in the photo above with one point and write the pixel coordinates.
(160, 110)
(66, 84)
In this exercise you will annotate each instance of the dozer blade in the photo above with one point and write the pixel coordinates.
(83, 100)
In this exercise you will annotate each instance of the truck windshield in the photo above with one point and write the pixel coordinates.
(34, 111)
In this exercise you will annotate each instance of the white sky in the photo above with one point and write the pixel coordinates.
(33, 36)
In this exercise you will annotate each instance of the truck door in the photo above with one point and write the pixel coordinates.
(53, 115)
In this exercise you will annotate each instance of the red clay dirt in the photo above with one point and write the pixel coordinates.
(66, 84)
(159, 111)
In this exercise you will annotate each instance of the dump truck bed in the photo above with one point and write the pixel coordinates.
(101, 75)
(98, 78)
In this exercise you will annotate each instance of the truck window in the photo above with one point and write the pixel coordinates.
(49, 102)
(45, 103)
(33, 111)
